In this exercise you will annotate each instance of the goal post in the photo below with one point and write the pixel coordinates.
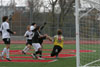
(87, 13)
(77, 32)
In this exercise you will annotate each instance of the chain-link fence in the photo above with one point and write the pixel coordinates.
(22, 16)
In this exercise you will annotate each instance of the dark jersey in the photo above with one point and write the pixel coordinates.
(41, 40)
(35, 38)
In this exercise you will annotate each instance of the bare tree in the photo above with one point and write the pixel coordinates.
(34, 6)
(53, 4)
(66, 6)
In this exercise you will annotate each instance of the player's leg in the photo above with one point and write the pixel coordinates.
(7, 52)
(6, 49)
(41, 43)
(40, 53)
(27, 47)
(38, 50)
(53, 53)
(3, 52)
(23, 51)
(58, 50)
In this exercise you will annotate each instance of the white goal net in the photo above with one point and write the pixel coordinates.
(89, 33)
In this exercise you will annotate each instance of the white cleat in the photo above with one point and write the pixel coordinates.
(41, 58)
(2, 58)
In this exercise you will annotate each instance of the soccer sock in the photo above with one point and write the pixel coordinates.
(25, 48)
(7, 53)
(40, 54)
(57, 56)
(4, 51)
(37, 52)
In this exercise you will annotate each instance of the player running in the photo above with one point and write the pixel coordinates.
(5, 29)
(28, 35)
(36, 44)
(58, 43)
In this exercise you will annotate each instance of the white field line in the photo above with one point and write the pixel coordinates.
(58, 59)
(53, 61)
(91, 63)
(90, 66)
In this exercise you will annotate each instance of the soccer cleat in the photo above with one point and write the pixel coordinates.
(56, 57)
(41, 58)
(34, 56)
(8, 59)
(2, 58)
(23, 52)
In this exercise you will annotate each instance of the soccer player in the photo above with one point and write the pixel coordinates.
(32, 27)
(58, 43)
(36, 44)
(28, 35)
(5, 29)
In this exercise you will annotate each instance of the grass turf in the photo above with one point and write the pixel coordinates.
(64, 62)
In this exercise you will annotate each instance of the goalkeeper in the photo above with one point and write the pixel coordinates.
(58, 43)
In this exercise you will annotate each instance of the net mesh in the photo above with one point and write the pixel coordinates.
(90, 34)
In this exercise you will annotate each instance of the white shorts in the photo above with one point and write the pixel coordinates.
(36, 46)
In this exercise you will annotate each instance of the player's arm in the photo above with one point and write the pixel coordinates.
(8, 29)
(0, 31)
(11, 32)
(49, 38)
(42, 27)
(26, 34)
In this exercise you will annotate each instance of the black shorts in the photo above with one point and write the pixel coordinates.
(29, 42)
(56, 50)
(6, 40)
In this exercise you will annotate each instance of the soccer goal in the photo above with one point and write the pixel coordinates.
(88, 33)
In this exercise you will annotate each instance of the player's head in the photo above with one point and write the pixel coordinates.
(37, 28)
(28, 27)
(33, 24)
(5, 18)
(59, 32)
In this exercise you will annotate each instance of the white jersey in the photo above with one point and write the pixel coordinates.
(4, 27)
(30, 34)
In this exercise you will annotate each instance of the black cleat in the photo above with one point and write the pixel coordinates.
(8, 59)
(23, 52)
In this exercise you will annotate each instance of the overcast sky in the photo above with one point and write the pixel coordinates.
(18, 2)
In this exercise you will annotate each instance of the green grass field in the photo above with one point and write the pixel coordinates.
(86, 58)
(62, 62)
